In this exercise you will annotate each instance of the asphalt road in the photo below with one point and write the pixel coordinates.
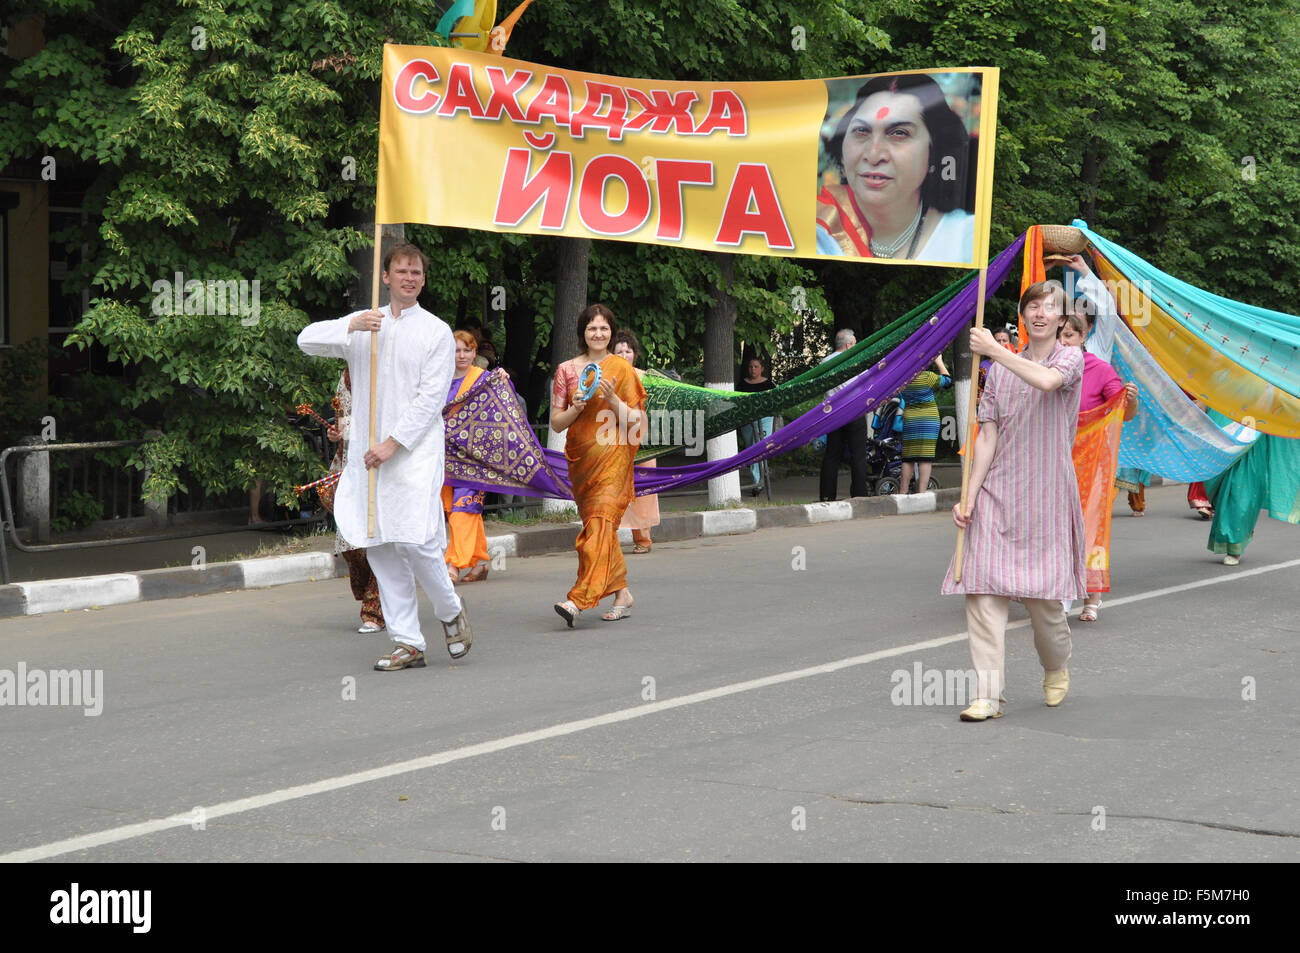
(772, 733)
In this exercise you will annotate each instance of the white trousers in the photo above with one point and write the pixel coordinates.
(397, 568)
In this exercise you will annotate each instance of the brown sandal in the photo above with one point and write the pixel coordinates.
(402, 656)
(477, 574)
(463, 636)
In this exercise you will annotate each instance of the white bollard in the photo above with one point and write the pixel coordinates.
(723, 490)
(555, 441)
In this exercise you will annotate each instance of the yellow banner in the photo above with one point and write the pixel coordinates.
(894, 167)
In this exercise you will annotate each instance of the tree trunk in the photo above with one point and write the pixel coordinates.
(363, 261)
(570, 298)
(720, 372)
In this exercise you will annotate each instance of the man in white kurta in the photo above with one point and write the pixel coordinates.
(416, 360)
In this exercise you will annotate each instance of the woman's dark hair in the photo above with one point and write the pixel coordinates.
(628, 337)
(948, 137)
(1080, 324)
(585, 318)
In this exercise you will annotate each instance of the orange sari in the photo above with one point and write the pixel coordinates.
(838, 213)
(600, 454)
(1096, 457)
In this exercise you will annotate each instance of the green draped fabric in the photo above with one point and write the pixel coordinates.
(726, 410)
(1267, 477)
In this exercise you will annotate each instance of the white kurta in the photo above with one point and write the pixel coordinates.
(417, 356)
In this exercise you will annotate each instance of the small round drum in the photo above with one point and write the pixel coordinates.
(589, 380)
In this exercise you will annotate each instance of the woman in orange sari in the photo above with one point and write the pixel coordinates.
(604, 432)
(466, 539)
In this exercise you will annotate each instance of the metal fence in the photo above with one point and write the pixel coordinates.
(81, 473)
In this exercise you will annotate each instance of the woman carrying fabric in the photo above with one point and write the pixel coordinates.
(1023, 522)
(894, 200)
(643, 512)
(365, 587)
(603, 434)
(466, 538)
(1265, 477)
(755, 381)
(1100, 383)
(921, 425)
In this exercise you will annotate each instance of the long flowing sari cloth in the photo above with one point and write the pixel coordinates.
(1239, 360)
(490, 446)
(669, 401)
(600, 456)
(1169, 435)
(1096, 449)
(463, 505)
(1267, 477)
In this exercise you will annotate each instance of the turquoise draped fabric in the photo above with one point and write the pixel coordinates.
(1266, 342)
(1267, 477)
(1169, 435)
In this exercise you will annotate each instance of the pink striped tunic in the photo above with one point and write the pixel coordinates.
(1026, 536)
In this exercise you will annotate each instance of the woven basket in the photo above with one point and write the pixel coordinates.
(1063, 239)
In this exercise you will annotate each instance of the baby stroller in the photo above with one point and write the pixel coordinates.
(885, 450)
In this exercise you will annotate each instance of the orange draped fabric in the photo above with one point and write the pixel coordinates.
(600, 454)
(1096, 457)
(466, 538)
(838, 213)
(1032, 271)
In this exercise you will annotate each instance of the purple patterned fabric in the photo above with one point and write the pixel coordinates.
(492, 448)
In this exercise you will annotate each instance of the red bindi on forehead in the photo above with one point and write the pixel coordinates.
(881, 113)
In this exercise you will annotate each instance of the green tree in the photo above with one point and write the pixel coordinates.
(222, 141)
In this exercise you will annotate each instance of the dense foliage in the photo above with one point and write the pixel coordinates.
(237, 139)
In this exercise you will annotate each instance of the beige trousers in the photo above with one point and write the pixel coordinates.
(986, 621)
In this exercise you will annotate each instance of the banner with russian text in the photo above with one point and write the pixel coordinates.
(891, 167)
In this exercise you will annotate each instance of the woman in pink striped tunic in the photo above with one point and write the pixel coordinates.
(1023, 521)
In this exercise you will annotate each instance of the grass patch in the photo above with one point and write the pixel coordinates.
(533, 518)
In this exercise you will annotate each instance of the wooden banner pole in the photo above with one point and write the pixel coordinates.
(372, 473)
(972, 408)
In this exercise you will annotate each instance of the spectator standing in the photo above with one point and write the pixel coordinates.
(853, 434)
(755, 381)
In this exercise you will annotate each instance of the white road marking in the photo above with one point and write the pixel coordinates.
(271, 798)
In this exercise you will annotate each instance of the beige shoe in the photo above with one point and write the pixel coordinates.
(1231, 560)
(1055, 685)
(982, 710)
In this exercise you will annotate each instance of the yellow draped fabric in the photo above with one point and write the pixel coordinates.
(466, 538)
(600, 455)
(1197, 367)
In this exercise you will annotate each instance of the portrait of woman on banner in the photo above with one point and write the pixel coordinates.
(897, 170)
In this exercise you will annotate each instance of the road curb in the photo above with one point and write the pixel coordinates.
(88, 592)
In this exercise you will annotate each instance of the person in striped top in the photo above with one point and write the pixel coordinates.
(1023, 520)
